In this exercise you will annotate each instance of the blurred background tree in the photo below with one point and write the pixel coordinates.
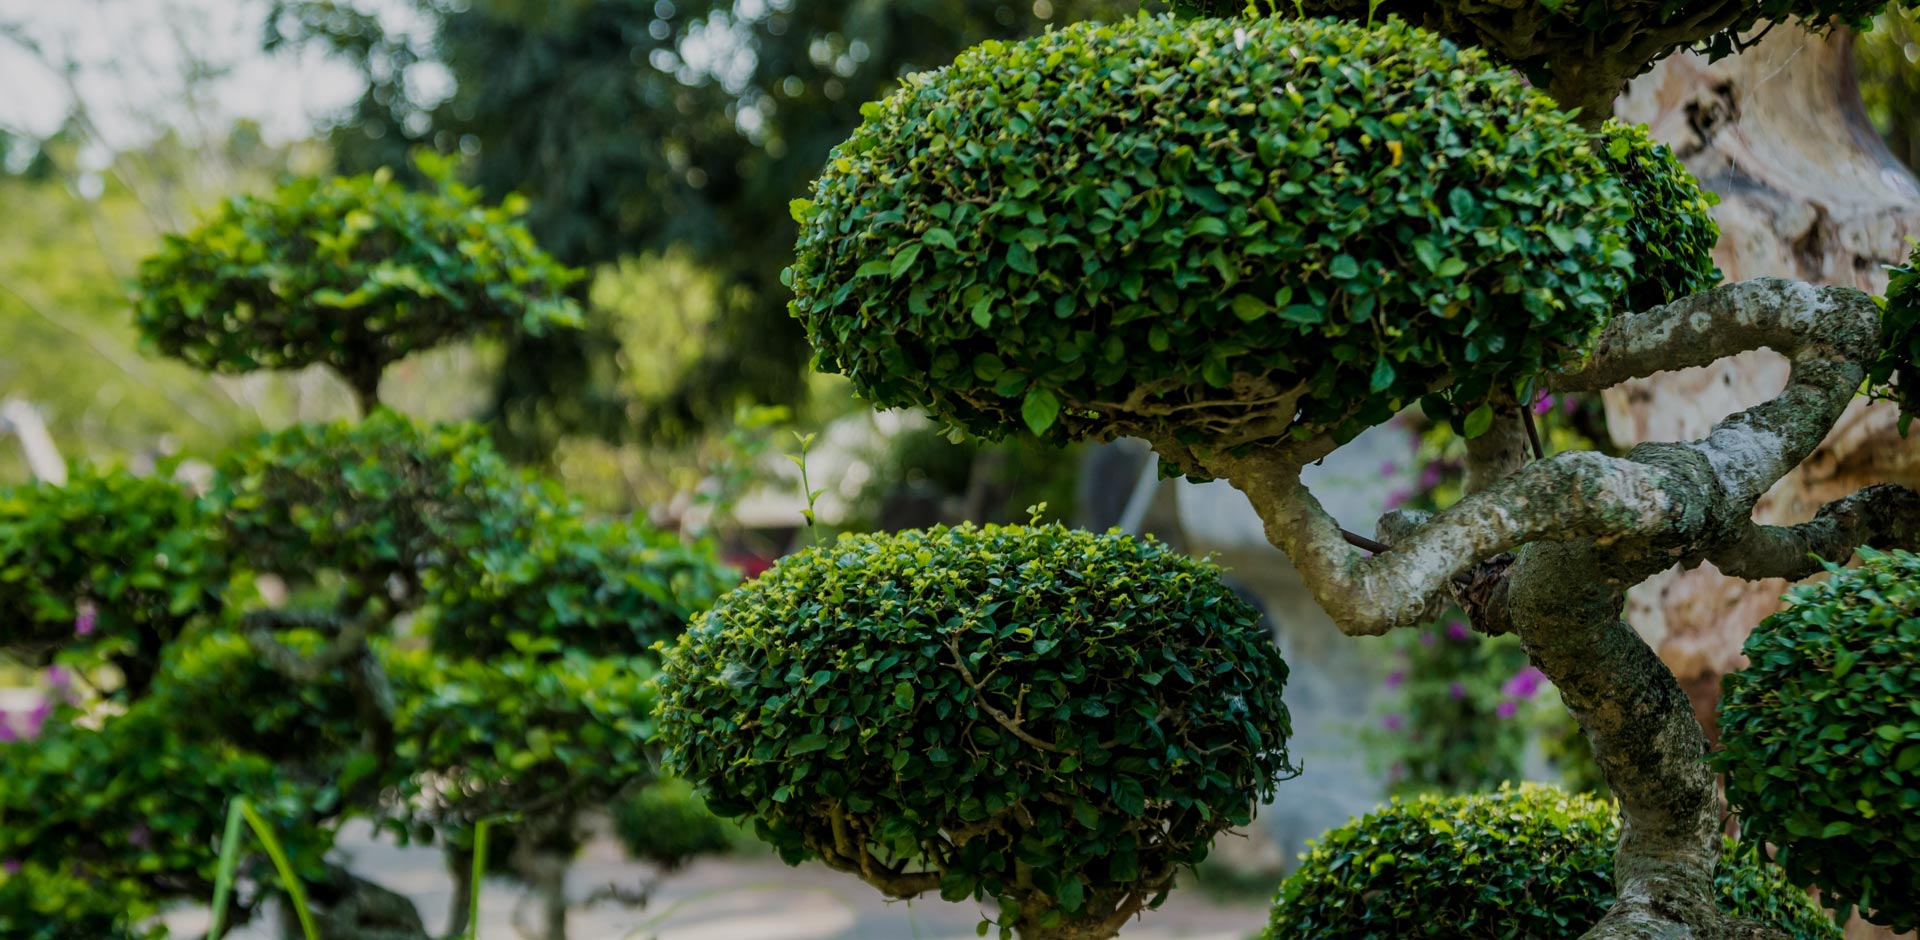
(645, 132)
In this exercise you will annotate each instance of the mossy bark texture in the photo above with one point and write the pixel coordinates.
(1583, 528)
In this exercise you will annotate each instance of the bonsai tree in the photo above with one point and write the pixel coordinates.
(352, 273)
(367, 620)
(1247, 240)
(318, 707)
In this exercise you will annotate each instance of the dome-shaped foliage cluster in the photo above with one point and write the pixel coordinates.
(1543, 36)
(1822, 737)
(596, 587)
(352, 273)
(1051, 718)
(108, 560)
(490, 737)
(1528, 861)
(668, 824)
(1211, 231)
(371, 498)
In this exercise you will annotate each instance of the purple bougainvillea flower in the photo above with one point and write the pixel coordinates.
(1431, 476)
(1395, 678)
(140, 836)
(1458, 632)
(11, 865)
(1507, 709)
(84, 624)
(1544, 405)
(58, 678)
(1524, 684)
(1393, 723)
(1399, 498)
(1569, 404)
(37, 718)
(1456, 691)
(1389, 469)
(7, 734)
(1426, 638)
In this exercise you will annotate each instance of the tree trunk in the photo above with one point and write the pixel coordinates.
(1809, 192)
(460, 906)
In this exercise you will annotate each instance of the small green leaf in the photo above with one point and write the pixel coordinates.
(1040, 410)
(1382, 375)
(1478, 421)
(1250, 308)
(903, 261)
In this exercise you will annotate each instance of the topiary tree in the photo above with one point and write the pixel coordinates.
(352, 273)
(1528, 861)
(1053, 720)
(368, 620)
(1247, 240)
(304, 702)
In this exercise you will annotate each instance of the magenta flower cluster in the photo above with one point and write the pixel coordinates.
(1523, 686)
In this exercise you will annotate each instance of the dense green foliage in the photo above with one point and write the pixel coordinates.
(1526, 863)
(1672, 232)
(1116, 230)
(1822, 737)
(317, 708)
(598, 588)
(1548, 38)
(352, 273)
(667, 823)
(1050, 718)
(135, 808)
(110, 562)
(534, 737)
(1894, 375)
(371, 501)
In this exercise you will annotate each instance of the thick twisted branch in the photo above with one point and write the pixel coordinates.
(1884, 516)
(1678, 501)
(1571, 495)
(1828, 333)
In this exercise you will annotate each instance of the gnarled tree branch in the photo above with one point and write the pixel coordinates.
(1676, 500)
(1884, 516)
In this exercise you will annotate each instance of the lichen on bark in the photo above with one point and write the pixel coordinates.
(1583, 528)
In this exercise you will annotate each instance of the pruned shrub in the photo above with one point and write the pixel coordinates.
(1527, 862)
(1821, 737)
(1049, 718)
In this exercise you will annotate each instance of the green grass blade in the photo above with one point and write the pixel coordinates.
(296, 892)
(479, 872)
(223, 872)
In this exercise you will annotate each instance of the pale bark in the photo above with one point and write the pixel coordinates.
(1807, 191)
(43, 458)
(1584, 528)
